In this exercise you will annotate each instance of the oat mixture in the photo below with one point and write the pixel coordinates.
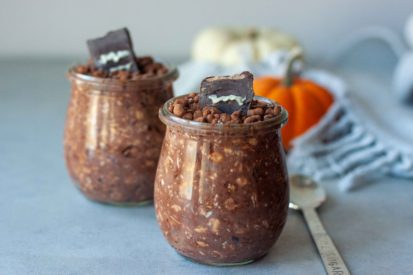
(221, 197)
(113, 135)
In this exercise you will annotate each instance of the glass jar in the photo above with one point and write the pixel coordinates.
(221, 191)
(113, 135)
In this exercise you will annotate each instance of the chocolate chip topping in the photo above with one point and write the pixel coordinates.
(188, 107)
(227, 93)
(113, 52)
(147, 68)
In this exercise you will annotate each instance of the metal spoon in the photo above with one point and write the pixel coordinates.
(306, 195)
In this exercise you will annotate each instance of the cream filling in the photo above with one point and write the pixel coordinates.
(113, 56)
(121, 67)
(215, 99)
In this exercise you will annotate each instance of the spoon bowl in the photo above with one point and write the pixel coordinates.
(305, 193)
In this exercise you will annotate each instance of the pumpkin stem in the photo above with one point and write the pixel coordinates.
(294, 55)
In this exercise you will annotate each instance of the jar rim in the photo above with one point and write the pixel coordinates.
(170, 119)
(171, 75)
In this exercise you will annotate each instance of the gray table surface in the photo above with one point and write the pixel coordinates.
(48, 227)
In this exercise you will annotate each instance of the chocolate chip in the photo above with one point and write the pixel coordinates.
(277, 110)
(225, 117)
(252, 119)
(256, 111)
(91, 69)
(259, 111)
(178, 110)
(144, 61)
(82, 69)
(181, 101)
(171, 108)
(206, 111)
(187, 108)
(197, 113)
(151, 68)
(235, 115)
(188, 116)
(123, 75)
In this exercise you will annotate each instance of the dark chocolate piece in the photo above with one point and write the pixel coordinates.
(227, 93)
(113, 52)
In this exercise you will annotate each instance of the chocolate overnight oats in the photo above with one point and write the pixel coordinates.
(221, 188)
(113, 136)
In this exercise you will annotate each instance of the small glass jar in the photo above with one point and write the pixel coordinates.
(113, 135)
(221, 191)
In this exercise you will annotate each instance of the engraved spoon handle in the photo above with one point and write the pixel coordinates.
(333, 263)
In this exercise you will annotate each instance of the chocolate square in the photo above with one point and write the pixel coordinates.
(113, 52)
(227, 93)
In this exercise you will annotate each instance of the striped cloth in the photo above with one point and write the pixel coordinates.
(341, 147)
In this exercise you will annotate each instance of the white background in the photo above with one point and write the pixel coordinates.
(165, 28)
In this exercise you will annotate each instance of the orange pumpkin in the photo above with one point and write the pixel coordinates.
(305, 100)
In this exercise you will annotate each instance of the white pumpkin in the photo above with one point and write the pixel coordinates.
(403, 74)
(232, 46)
